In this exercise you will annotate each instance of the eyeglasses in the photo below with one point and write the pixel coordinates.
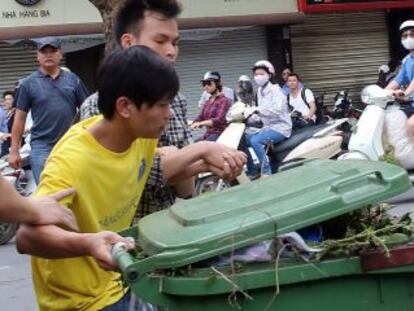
(407, 34)
(204, 83)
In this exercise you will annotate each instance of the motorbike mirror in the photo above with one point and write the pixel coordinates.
(375, 95)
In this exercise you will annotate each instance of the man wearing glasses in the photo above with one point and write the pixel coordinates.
(406, 75)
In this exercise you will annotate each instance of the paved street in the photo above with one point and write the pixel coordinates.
(15, 280)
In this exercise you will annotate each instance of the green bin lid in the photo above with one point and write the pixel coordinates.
(217, 223)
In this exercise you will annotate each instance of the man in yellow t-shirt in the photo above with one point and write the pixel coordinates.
(107, 160)
(107, 165)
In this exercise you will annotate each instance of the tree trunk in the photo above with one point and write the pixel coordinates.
(106, 8)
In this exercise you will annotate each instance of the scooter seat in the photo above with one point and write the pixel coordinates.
(298, 137)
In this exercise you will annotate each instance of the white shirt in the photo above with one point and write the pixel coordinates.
(299, 104)
(273, 110)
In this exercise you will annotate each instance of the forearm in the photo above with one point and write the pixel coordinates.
(312, 109)
(185, 188)
(17, 133)
(13, 207)
(50, 242)
(174, 164)
(393, 85)
(190, 171)
(410, 89)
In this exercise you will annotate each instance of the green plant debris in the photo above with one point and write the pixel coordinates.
(368, 228)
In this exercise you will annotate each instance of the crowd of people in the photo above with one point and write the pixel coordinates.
(132, 153)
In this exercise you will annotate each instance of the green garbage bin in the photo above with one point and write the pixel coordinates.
(175, 240)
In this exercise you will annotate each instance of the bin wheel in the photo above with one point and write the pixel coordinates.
(7, 232)
(211, 184)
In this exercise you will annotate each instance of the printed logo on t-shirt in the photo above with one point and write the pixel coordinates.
(141, 170)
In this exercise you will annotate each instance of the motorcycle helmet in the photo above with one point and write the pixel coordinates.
(244, 78)
(211, 76)
(266, 65)
(407, 25)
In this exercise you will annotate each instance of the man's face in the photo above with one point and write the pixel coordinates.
(149, 121)
(49, 57)
(285, 74)
(292, 82)
(157, 33)
(8, 102)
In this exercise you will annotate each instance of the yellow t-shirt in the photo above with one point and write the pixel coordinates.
(109, 186)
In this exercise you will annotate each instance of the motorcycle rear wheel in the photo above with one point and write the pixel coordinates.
(7, 232)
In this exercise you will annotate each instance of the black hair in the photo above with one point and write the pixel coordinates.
(293, 74)
(8, 92)
(137, 73)
(130, 13)
(393, 64)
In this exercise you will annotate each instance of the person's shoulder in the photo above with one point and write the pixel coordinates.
(26, 80)
(307, 91)
(407, 59)
(179, 99)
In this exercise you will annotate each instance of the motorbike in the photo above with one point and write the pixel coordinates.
(23, 182)
(323, 141)
(381, 130)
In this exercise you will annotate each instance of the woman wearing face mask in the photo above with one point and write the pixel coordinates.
(213, 115)
(406, 75)
(273, 112)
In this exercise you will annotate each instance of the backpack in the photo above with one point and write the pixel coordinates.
(318, 102)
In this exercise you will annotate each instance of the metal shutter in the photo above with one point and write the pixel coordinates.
(16, 62)
(343, 50)
(233, 53)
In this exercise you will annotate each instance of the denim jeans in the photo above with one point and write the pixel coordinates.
(257, 141)
(38, 156)
(125, 304)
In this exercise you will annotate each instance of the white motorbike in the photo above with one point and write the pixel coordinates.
(24, 183)
(322, 141)
(381, 130)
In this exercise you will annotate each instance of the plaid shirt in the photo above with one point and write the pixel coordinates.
(215, 110)
(156, 195)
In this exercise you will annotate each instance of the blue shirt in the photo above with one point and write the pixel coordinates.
(406, 74)
(53, 104)
(3, 121)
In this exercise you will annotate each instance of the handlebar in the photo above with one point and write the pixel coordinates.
(124, 261)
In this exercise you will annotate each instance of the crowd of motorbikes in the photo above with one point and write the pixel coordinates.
(345, 133)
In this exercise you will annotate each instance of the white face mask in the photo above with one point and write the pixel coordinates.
(408, 43)
(261, 79)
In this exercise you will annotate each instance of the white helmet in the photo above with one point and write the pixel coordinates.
(406, 25)
(244, 78)
(266, 65)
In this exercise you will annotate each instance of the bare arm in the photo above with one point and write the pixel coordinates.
(312, 109)
(16, 137)
(393, 85)
(410, 89)
(45, 210)
(52, 242)
(222, 160)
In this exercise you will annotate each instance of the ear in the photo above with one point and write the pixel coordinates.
(127, 40)
(123, 107)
